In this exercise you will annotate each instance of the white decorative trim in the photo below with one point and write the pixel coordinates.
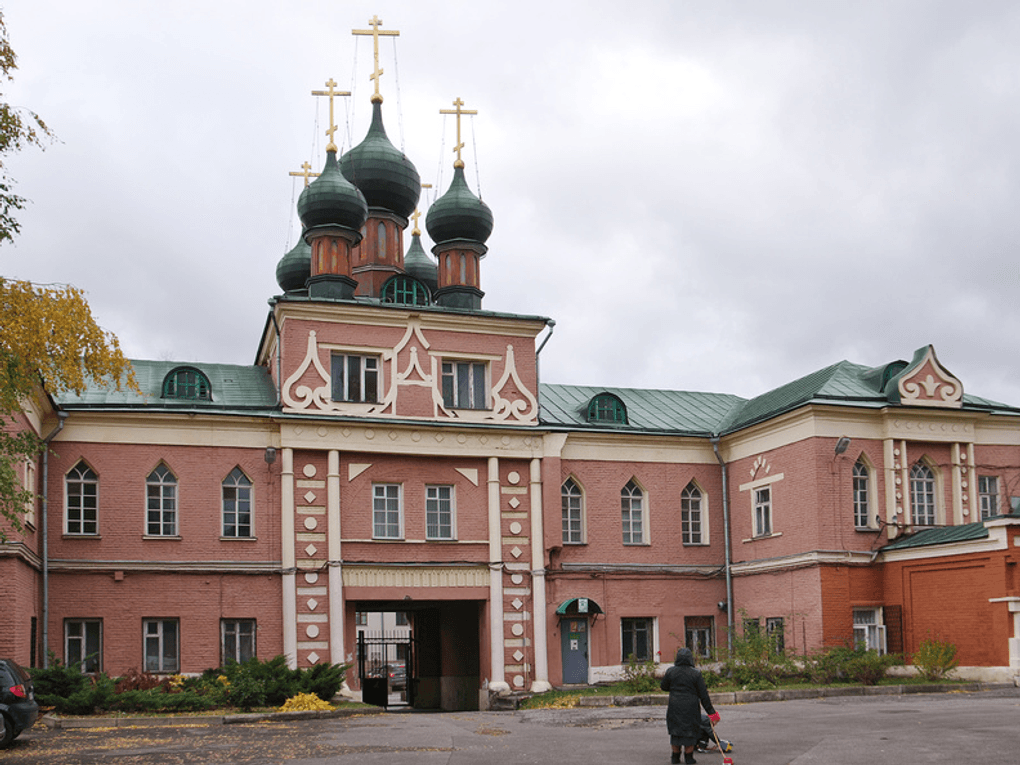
(814, 558)
(937, 388)
(470, 473)
(415, 576)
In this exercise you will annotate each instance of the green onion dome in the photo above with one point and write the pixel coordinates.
(295, 267)
(384, 174)
(418, 264)
(332, 200)
(459, 214)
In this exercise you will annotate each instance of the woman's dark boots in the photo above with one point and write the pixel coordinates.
(675, 758)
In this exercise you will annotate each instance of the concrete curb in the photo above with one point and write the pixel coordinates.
(747, 697)
(67, 723)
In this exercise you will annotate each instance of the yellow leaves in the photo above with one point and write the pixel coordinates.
(305, 702)
(48, 334)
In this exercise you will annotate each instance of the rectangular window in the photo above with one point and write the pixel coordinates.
(355, 378)
(463, 384)
(83, 644)
(763, 511)
(161, 645)
(387, 518)
(774, 629)
(361, 618)
(439, 512)
(637, 639)
(238, 640)
(988, 495)
(751, 627)
(869, 632)
(698, 632)
(401, 618)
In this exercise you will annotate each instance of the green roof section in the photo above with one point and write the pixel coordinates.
(942, 535)
(648, 411)
(233, 387)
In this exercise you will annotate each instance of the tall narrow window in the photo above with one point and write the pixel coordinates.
(81, 503)
(387, 520)
(573, 512)
(83, 644)
(237, 505)
(862, 510)
(922, 495)
(439, 512)
(636, 639)
(698, 635)
(237, 640)
(774, 630)
(464, 385)
(869, 632)
(763, 511)
(988, 495)
(632, 507)
(355, 378)
(161, 507)
(381, 233)
(690, 515)
(161, 645)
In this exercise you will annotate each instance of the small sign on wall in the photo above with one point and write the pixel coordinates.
(582, 605)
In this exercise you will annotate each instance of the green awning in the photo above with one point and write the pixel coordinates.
(578, 607)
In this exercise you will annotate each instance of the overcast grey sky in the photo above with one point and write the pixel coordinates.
(712, 195)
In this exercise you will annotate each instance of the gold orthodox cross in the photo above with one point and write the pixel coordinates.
(415, 215)
(306, 173)
(332, 127)
(458, 111)
(375, 22)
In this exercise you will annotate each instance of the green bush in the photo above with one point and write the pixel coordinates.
(935, 658)
(324, 680)
(756, 662)
(639, 676)
(856, 665)
(158, 700)
(58, 679)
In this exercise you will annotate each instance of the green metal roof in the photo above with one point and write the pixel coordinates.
(656, 411)
(943, 535)
(234, 387)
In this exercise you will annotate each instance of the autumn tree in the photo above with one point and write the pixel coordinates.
(49, 340)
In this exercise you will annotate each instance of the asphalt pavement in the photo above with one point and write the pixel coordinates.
(982, 727)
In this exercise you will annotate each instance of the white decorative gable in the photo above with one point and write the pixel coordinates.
(925, 382)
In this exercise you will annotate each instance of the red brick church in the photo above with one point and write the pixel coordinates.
(393, 450)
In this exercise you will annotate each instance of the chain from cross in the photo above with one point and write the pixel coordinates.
(331, 146)
(375, 22)
(306, 173)
(458, 111)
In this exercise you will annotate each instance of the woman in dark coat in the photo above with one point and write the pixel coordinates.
(687, 693)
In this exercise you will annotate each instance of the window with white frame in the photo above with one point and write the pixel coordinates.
(439, 512)
(861, 489)
(690, 515)
(28, 484)
(81, 500)
(763, 511)
(632, 505)
(161, 503)
(237, 639)
(463, 385)
(775, 631)
(83, 644)
(162, 649)
(988, 495)
(636, 639)
(237, 517)
(572, 501)
(356, 378)
(922, 495)
(387, 511)
(869, 632)
(698, 632)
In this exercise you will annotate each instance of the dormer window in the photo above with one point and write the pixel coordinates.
(187, 383)
(405, 290)
(605, 407)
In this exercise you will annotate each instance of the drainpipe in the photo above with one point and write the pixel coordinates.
(279, 351)
(726, 535)
(45, 540)
(549, 323)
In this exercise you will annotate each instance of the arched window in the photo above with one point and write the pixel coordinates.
(573, 512)
(862, 506)
(187, 383)
(161, 503)
(381, 243)
(237, 520)
(605, 407)
(405, 290)
(690, 515)
(81, 500)
(633, 513)
(922, 495)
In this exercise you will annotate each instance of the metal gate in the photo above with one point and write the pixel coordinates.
(386, 668)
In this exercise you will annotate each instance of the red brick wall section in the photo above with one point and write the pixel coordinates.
(795, 595)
